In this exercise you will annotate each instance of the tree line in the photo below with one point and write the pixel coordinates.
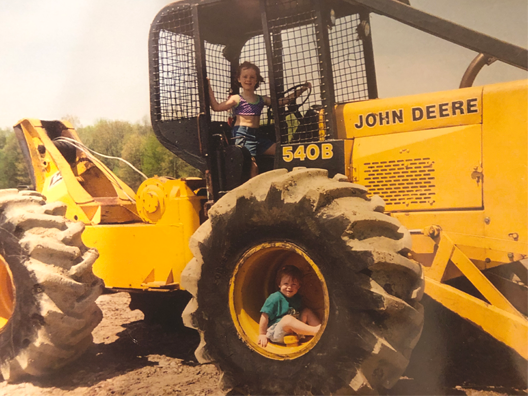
(135, 143)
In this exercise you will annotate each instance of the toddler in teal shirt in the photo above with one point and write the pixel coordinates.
(283, 314)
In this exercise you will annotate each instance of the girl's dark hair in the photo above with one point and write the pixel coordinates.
(249, 65)
(291, 271)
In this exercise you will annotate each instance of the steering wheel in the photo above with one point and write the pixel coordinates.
(294, 104)
(308, 126)
(292, 108)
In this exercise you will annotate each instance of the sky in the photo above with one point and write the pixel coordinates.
(88, 59)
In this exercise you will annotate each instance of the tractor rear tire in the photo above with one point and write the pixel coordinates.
(48, 287)
(357, 277)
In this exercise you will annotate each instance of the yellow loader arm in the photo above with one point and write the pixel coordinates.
(63, 172)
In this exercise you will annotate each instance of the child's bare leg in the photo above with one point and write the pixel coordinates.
(271, 150)
(309, 317)
(254, 168)
(292, 325)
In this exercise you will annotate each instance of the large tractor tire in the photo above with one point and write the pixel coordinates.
(47, 287)
(357, 278)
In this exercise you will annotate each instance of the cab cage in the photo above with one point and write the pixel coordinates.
(291, 41)
(326, 42)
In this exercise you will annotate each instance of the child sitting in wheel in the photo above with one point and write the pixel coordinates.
(283, 313)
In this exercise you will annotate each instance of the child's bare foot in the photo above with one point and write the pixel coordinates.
(315, 329)
(313, 334)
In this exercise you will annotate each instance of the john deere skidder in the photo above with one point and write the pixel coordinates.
(432, 158)
(449, 166)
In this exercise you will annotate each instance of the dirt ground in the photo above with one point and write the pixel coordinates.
(130, 357)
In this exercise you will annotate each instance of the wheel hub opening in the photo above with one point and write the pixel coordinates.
(7, 295)
(254, 279)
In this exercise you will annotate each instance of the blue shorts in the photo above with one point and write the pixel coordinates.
(250, 139)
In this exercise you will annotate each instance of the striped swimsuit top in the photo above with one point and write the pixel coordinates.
(249, 109)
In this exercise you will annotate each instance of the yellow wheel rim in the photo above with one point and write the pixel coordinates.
(7, 300)
(254, 280)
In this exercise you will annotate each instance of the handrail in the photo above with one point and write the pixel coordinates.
(447, 30)
(474, 68)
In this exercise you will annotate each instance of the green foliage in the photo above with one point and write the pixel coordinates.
(135, 143)
(132, 152)
(12, 164)
(107, 137)
(3, 137)
(159, 161)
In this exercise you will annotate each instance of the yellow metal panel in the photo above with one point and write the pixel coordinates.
(349, 145)
(409, 113)
(469, 222)
(505, 147)
(510, 329)
(189, 216)
(167, 202)
(487, 243)
(424, 249)
(55, 189)
(483, 285)
(489, 252)
(485, 252)
(130, 252)
(415, 170)
(443, 254)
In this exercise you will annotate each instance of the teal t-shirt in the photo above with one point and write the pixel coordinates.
(277, 305)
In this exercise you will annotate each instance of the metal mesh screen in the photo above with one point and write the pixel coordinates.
(178, 82)
(295, 61)
(218, 72)
(348, 60)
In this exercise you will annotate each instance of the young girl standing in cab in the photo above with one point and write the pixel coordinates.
(248, 108)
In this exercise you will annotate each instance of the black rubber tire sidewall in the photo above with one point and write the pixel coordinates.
(337, 342)
(22, 327)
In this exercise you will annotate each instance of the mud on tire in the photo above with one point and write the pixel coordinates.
(373, 318)
(53, 310)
